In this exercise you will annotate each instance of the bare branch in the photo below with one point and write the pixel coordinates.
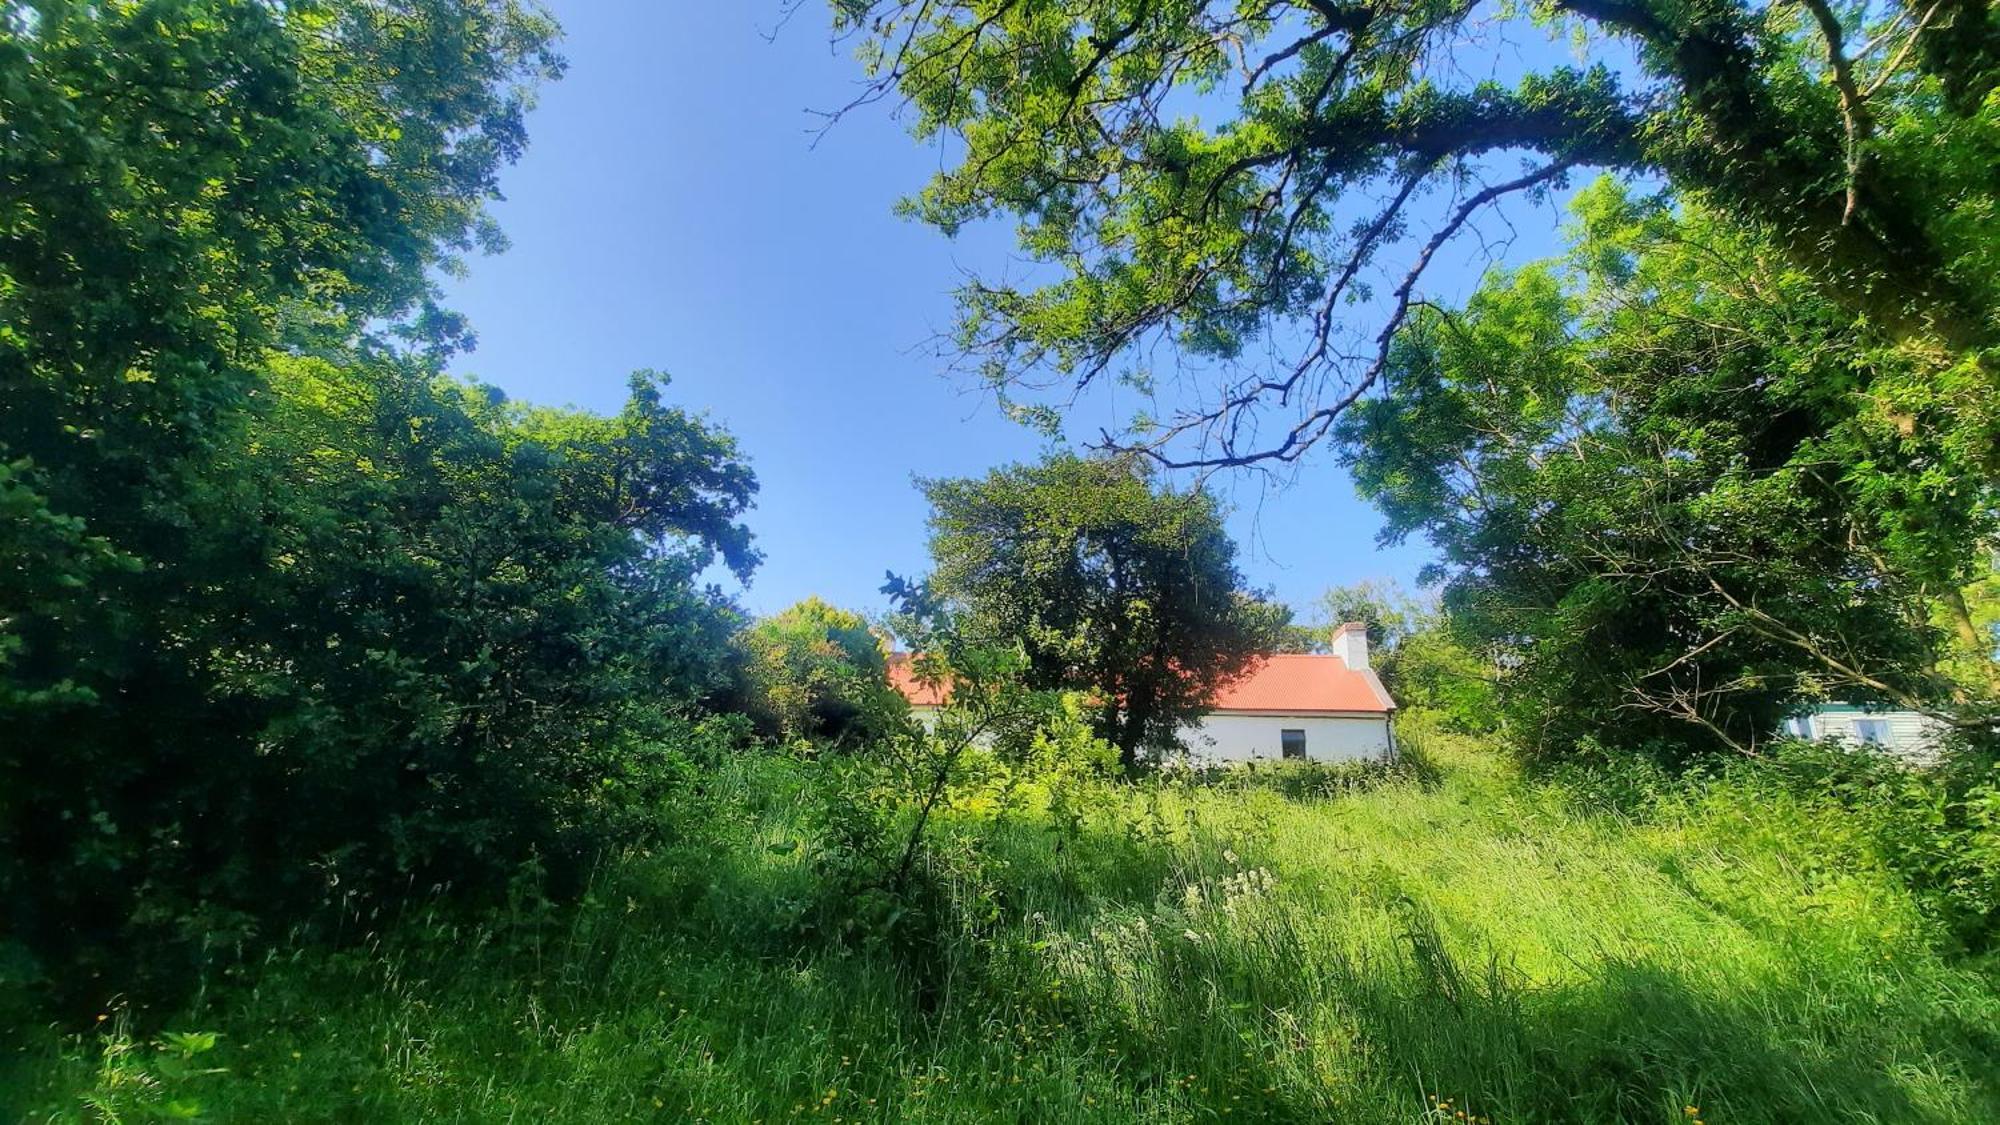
(1310, 430)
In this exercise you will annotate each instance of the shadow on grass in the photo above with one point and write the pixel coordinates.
(1406, 1027)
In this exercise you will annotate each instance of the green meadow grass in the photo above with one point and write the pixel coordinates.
(1475, 948)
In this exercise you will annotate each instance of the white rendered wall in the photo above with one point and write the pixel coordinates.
(1238, 737)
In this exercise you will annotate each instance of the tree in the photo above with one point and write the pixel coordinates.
(192, 193)
(817, 671)
(1110, 584)
(1384, 607)
(288, 619)
(1681, 493)
(1201, 176)
(1419, 654)
(447, 634)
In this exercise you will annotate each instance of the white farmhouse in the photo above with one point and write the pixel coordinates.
(1321, 707)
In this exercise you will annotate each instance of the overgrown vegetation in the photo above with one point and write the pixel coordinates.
(1680, 497)
(1161, 952)
(289, 621)
(815, 671)
(1110, 581)
(373, 747)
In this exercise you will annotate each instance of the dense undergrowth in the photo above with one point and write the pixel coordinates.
(1453, 943)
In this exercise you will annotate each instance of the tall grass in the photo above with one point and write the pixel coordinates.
(1454, 945)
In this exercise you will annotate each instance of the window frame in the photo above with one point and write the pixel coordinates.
(1285, 739)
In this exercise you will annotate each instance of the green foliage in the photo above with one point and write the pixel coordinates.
(1389, 612)
(147, 1082)
(1207, 180)
(885, 882)
(1421, 656)
(1680, 493)
(816, 671)
(453, 634)
(1938, 828)
(1304, 781)
(288, 621)
(1480, 942)
(1110, 584)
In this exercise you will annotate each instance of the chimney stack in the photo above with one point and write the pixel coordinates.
(1350, 643)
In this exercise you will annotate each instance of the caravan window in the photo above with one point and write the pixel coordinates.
(1874, 732)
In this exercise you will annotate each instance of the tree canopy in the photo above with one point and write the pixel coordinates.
(815, 670)
(1111, 584)
(1214, 188)
(1683, 496)
(289, 619)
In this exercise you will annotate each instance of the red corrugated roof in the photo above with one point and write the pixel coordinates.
(1287, 683)
(903, 678)
(1302, 683)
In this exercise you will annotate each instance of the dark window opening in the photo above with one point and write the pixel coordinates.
(1293, 743)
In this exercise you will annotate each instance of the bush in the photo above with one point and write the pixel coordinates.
(1303, 780)
(1936, 827)
(816, 671)
(431, 635)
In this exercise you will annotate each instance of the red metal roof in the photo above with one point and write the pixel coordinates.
(1286, 683)
(903, 678)
(1302, 683)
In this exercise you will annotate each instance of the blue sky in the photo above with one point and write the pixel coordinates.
(673, 212)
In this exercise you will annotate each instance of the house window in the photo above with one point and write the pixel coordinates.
(1293, 743)
(1800, 727)
(1874, 732)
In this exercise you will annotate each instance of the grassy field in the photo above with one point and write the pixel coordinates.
(1467, 948)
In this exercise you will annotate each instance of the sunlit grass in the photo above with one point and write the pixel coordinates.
(1465, 950)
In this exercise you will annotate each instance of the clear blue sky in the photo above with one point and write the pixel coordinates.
(672, 212)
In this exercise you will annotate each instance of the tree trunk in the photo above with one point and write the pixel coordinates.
(1968, 635)
(1131, 732)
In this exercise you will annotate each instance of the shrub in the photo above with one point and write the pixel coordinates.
(1303, 780)
(1937, 827)
(437, 634)
(817, 671)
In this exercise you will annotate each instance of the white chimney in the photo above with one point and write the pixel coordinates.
(1350, 643)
